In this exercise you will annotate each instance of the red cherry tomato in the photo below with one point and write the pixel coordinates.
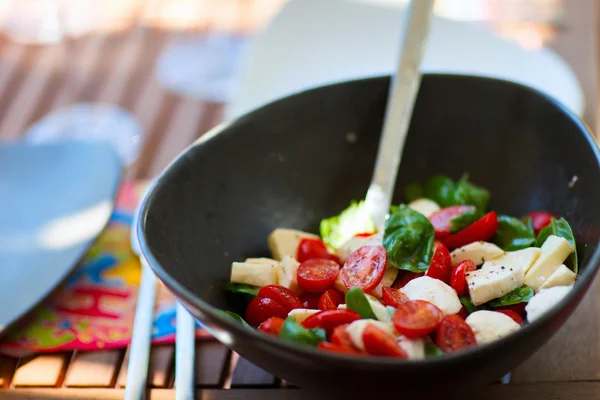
(341, 337)
(442, 219)
(482, 229)
(393, 297)
(282, 295)
(516, 317)
(262, 308)
(463, 313)
(454, 334)
(416, 318)
(404, 277)
(540, 220)
(317, 274)
(331, 299)
(334, 348)
(458, 279)
(380, 343)
(441, 264)
(364, 268)
(310, 300)
(518, 308)
(313, 248)
(329, 319)
(272, 325)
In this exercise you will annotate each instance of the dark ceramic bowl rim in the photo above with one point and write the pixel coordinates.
(357, 362)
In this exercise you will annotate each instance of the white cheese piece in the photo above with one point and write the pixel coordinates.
(424, 206)
(525, 258)
(356, 329)
(255, 273)
(490, 325)
(555, 251)
(287, 273)
(300, 314)
(339, 283)
(389, 276)
(563, 276)
(414, 348)
(378, 309)
(433, 291)
(356, 243)
(478, 252)
(342, 307)
(493, 282)
(284, 242)
(544, 300)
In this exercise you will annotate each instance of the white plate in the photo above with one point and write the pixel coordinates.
(54, 200)
(315, 42)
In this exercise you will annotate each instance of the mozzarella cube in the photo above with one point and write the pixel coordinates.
(525, 258)
(284, 242)
(544, 300)
(300, 314)
(414, 348)
(339, 284)
(490, 325)
(424, 206)
(389, 276)
(478, 252)
(379, 309)
(287, 273)
(433, 291)
(563, 276)
(555, 251)
(356, 329)
(254, 272)
(356, 243)
(493, 282)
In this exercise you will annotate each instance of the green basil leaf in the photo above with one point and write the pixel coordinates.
(241, 288)
(431, 350)
(466, 193)
(560, 228)
(512, 234)
(293, 332)
(338, 229)
(519, 295)
(357, 301)
(390, 310)
(413, 191)
(236, 317)
(440, 189)
(467, 304)
(464, 220)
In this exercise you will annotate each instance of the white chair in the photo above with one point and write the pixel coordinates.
(315, 42)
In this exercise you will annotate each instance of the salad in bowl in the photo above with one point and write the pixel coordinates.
(446, 273)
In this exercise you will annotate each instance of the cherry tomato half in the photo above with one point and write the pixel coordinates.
(272, 326)
(518, 308)
(309, 248)
(417, 318)
(454, 334)
(334, 348)
(341, 337)
(317, 274)
(458, 278)
(380, 343)
(441, 264)
(404, 277)
(329, 319)
(331, 299)
(482, 229)
(463, 313)
(365, 268)
(540, 220)
(262, 308)
(282, 295)
(310, 300)
(516, 317)
(393, 297)
(442, 219)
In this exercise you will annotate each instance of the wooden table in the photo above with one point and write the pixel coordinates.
(31, 83)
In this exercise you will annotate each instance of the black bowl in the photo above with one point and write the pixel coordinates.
(300, 159)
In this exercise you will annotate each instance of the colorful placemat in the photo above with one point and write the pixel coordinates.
(94, 309)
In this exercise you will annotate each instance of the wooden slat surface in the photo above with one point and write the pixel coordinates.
(94, 369)
(42, 370)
